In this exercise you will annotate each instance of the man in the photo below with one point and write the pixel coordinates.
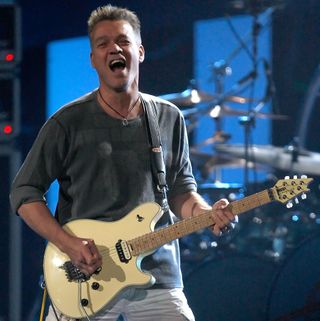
(97, 147)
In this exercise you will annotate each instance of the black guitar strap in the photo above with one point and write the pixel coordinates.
(156, 155)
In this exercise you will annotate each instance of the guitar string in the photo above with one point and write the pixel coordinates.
(113, 251)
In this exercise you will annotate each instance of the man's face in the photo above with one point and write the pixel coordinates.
(116, 53)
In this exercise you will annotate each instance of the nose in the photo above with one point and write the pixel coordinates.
(115, 48)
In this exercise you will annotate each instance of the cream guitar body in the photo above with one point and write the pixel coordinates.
(124, 243)
(115, 275)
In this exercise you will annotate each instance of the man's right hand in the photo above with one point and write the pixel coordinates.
(84, 254)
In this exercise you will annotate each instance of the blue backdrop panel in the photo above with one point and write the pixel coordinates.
(214, 41)
(69, 76)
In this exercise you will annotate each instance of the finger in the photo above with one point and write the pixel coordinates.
(227, 213)
(86, 253)
(216, 230)
(224, 210)
(93, 249)
(222, 218)
(93, 258)
(219, 224)
(231, 226)
(96, 256)
(88, 270)
(223, 203)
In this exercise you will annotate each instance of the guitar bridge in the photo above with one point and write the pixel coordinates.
(73, 273)
(123, 251)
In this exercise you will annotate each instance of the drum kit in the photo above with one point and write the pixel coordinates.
(258, 233)
(272, 255)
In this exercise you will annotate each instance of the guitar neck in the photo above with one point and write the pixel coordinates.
(153, 240)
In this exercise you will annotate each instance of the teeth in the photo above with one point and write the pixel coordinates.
(116, 61)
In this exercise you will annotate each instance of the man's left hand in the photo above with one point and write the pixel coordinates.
(223, 217)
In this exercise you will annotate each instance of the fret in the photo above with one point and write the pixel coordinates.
(162, 236)
(250, 202)
(282, 192)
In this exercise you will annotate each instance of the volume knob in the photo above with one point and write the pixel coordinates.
(95, 285)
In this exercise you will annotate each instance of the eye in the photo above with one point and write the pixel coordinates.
(124, 42)
(101, 44)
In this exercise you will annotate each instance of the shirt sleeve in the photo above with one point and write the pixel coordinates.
(41, 167)
(182, 176)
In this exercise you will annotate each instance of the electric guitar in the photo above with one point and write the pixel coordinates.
(124, 243)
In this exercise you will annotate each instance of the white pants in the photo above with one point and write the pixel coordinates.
(143, 305)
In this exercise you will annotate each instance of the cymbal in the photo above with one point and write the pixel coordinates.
(218, 137)
(282, 158)
(208, 162)
(219, 186)
(188, 97)
(199, 158)
(221, 111)
(192, 96)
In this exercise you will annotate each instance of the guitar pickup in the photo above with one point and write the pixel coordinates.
(123, 251)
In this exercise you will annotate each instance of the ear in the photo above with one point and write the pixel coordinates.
(91, 60)
(141, 53)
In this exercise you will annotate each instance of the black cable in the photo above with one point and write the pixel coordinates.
(55, 312)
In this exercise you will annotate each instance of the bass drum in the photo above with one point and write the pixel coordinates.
(230, 288)
(295, 292)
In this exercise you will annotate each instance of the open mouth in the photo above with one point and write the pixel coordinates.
(117, 64)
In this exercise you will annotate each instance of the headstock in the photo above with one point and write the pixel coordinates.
(288, 189)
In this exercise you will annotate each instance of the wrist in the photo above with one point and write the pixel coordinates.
(198, 208)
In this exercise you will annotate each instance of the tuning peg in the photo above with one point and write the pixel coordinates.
(287, 177)
(289, 204)
(304, 176)
(296, 200)
(303, 196)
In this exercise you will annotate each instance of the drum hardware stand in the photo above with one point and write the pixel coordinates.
(294, 149)
(220, 70)
(248, 122)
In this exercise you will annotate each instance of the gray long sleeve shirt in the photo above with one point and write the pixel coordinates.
(103, 169)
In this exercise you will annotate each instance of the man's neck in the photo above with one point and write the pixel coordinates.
(122, 102)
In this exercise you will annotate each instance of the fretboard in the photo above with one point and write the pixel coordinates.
(153, 240)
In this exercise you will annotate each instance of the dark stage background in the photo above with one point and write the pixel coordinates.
(243, 282)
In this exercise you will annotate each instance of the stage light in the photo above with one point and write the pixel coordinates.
(10, 36)
(7, 129)
(9, 106)
(9, 57)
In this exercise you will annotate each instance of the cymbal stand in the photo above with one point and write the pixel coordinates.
(294, 149)
(220, 71)
(248, 122)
